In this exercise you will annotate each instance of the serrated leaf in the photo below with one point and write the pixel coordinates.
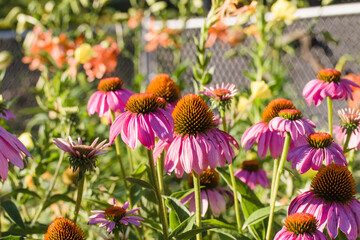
(11, 209)
(140, 182)
(260, 215)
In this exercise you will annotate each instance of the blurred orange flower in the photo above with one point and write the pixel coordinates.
(235, 8)
(135, 18)
(229, 35)
(164, 37)
(104, 60)
(355, 103)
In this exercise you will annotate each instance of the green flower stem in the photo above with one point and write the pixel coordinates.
(351, 161)
(116, 235)
(53, 181)
(131, 159)
(122, 168)
(330, 115)
(196, 179)
(275, 169)
(345, 148)
(160, 170)
(79, 196)
(233, 179)
(277, 183)
(162, 209)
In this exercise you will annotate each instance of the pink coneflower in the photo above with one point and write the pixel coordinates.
(6, 115)
(291, 121)
(300, 226)
(115, 218)
(143, 120)
(320, 146)
(211, 194)
(82, 157)
(251, 174)
(12, 151)
(197, 144)
(261, 134)
(332, 201)
(329, 84)
(111, 96)
(164, 87)
(350, 124)
(223, 93)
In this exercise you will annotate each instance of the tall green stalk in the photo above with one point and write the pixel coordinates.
(196, 179)
(160, 170)
(330, 115)
(275, 169)
(122, 168)
(277, 183)
(79, 196)
(233, 179)
(162, 209)
(116, 235)
(351, 161)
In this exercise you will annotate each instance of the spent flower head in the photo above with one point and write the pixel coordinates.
(350, 119)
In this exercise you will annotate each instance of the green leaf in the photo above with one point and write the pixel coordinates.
(185, 225)
(326, 2)
(11, 209)
(219, 223)
(173, 220)
(192, 233)
(20, 190)
(58, 197)
(179, 208)
(135, 193)
(260, 215)
(140, 171)
(99, 202)
(329, 38)
(140, 182)
(152, 224)
(182, 194)
(229, 234)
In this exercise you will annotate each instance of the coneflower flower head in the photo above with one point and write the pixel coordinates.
(221, 95)
(300, 226)
(211, 193)
(64, 229)
(82, 157)
(329, 84)
(110, 96)
(251, 174)
(332, 201)
(260, 132)
(350, 119)
(164, 87)
(143, 120)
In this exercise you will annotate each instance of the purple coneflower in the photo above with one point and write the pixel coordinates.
(261, 134)
(115, 218)
(300, 226)
(320, 146)
(223, 93)
(251, 174)
(349, 119)
(12, 151)
(197, 143)
(143, 120)
(164, 87)
(111, 96)
(332, 201)
(81, 156)
(211, 193)
(291, 121)
(329, 84)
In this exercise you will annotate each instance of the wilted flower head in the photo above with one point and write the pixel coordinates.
(115, 218)
(211, 193)
(284, 10)
(82, 157)
(221, 95)
(300, 226)
(329, 84)
(64, 229)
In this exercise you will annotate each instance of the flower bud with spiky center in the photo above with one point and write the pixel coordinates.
(300, 223)
(290, 114)
(250, 166)
(320, 140)
(110, 84)
(274, 107)
(350, 119)
(163, 86)
(329, 75)
(209, 179)
(144, 103)
(192, 116)
(334, 184)
(64, 229)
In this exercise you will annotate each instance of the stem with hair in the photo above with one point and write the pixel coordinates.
(162, 209)
(330, 115)
(196, 179)
(277, 183)
(122, 168)
(351, 161)
(53, 181)
(79, 196)
(233, 179)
